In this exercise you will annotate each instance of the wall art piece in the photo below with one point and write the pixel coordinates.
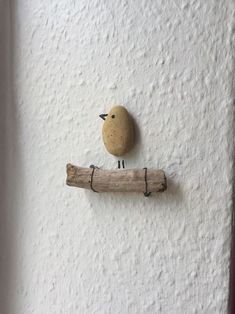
(118, 135)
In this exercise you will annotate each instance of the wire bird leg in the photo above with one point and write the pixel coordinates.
(119, 164)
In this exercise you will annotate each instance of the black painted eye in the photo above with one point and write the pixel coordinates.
(113, 116)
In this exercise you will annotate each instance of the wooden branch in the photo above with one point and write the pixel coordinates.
(129, 180)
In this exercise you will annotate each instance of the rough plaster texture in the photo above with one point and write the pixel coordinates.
(170, 64)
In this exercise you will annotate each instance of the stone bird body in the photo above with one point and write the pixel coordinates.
(118, 131)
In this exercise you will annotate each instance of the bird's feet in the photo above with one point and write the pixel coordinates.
(119, 164)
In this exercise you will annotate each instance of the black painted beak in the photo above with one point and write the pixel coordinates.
(103, 115)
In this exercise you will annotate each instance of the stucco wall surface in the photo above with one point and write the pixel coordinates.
(170, 64)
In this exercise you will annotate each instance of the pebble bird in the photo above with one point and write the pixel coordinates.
(118, 132)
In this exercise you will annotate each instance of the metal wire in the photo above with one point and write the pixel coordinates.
(123, 164)
(92, 175)
(146, 193)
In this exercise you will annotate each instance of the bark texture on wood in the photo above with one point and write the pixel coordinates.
(129, 180)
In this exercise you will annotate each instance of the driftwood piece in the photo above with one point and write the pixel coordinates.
(129, 180)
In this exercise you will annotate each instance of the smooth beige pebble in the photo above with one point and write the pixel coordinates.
(118, 131)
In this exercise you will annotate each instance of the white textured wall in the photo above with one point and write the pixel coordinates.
(170, 64)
